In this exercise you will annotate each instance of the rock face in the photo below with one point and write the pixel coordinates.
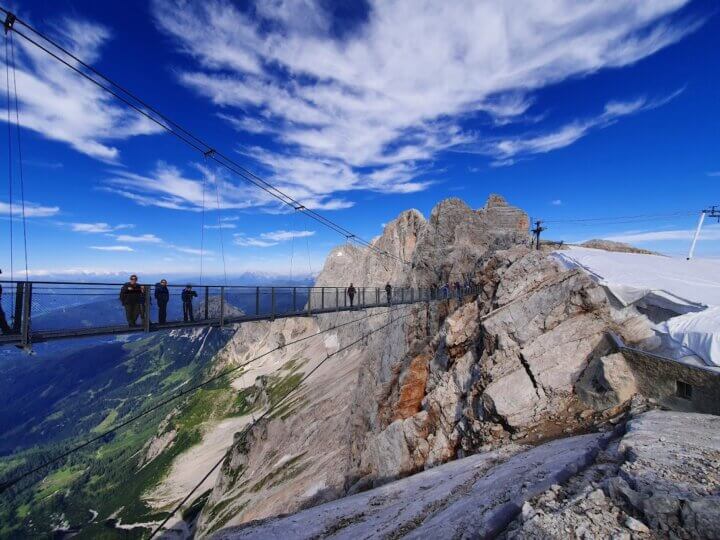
(621, 247)
(579, 487)
(447, 379)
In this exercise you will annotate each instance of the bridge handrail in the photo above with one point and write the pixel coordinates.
(43, 309)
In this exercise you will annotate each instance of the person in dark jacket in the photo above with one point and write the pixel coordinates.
(4, 326)
(351, 294)
(187, 296)
(162, 297)
(388, 292)
(132, 298)
(458, 289)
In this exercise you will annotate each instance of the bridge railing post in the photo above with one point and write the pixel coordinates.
(26, 313)
(222, 306)
(272, 303)
(17, 315)
(337, 299)
(294, 299)
(309, 304)
(257, 301)
(322, 298)
(207, 302)
(146, 309)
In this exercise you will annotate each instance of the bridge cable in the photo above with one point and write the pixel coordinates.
(220, 228)
(10, 171)
(183, 134)
(202, 230)
(4, 486)
(272, 409)
(20, 158)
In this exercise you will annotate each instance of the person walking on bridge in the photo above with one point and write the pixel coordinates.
(132, 298)
(388, 292)
(162, 296)
(187, 297)
(351, 294)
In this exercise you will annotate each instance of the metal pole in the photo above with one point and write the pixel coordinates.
(17, 316)
(257, 300)
(322, 298)
(146, 320)
(27, 306)
(337, 299)
(697, 234)
(222, 306)
(207, 304)
(272, 303)
(309, 301)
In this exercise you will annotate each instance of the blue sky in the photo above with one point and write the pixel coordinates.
(570, 109)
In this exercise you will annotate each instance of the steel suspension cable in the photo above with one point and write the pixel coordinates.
(10, 171)
(220, 228)
(202, 230)
(20, 158)
(272, 409)
(183, 134)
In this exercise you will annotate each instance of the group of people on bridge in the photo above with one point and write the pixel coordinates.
(133, 299)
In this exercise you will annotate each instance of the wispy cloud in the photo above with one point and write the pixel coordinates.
(99, 227)
(556, 202)
(139, 238)
(31, 210)
(368, 110)
(59, 105)
(112, 248)
(506, 150)
(714, 173)
(269, 239)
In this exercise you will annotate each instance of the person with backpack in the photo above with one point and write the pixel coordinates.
(132, 297)
(187, 297)
(388, 292)
(162, 296)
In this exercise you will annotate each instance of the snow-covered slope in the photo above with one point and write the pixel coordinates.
(689, 289)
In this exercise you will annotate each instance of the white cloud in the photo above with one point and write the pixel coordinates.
(112, 248)
(369, 109)
(707, 233)
(31, 210)
(506, 150)
(556, 202)
(192, 251)
(99, 227)
(62, 106)
(138, 238)
(714, 173)
(282, 236)
(221, 226)
(269, 239)
(168, 187)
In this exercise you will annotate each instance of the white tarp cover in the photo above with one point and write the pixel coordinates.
(698, 333)
(685, 287)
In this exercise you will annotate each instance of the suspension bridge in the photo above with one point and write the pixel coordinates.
(44, 311)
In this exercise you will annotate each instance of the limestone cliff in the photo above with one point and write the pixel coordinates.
(437, 381)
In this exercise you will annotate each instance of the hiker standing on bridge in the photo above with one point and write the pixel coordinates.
(132, 298)
(388, 292)
(162, 295)
(187, 296)
(351, 294)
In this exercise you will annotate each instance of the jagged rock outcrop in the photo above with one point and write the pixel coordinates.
(447, 380)
(660, 479)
